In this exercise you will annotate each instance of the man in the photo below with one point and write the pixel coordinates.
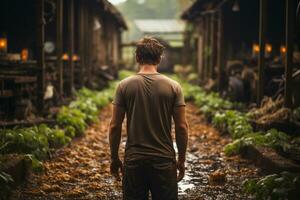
(149, 100)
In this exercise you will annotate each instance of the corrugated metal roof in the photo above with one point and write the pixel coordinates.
(160, 25)
(199, 6)
(115, 12)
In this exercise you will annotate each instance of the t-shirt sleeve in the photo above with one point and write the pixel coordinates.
(119, 99)
(179, 97)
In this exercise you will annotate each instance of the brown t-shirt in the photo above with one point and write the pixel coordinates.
(148, 100)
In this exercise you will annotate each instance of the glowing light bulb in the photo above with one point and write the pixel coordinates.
(65, 56)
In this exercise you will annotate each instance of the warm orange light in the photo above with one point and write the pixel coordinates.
(268, 48)
(256, 48)
(75, 57)
(24, 54)
(283, 49)
(3, 43)
(65, 56)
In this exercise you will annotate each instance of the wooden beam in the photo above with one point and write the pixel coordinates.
(89, 43)
(220, 47)
(40, 53)
(205, 43)
(262, 44)
(290, 31)
(71, 45)
(120, 50)
(86, 42)
(207, 47)
(212, 45)
(81, 48)
(59, 45)
(200, 50)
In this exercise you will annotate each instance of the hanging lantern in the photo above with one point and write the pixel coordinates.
(255, 49)
(24, 54)
(75, 57)
(3, 45)
(268, 48)
(283, 49)
(65, 57)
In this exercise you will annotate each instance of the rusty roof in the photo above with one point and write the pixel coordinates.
(199, 6)
(108, 7)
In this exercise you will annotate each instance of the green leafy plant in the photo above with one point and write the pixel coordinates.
(72, 117)
(276, 186)
(6, 182)
(272, 138)
(24, 140)
(34, 163)
(234, 122)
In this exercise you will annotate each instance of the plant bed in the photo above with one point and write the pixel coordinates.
(14, 165)
(26, 123)
(255, 137)
(36, 143)
(269, 160)
(281, 186)
(285, 126)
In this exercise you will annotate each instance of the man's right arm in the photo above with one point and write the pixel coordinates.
(181, 136)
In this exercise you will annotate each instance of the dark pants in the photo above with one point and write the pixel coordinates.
(158, 176)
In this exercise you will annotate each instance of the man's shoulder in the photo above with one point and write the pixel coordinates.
(171, 81)
(130, 79)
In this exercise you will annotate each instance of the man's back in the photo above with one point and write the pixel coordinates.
(148, 100)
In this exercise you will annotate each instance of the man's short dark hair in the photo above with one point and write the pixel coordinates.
(149, 51)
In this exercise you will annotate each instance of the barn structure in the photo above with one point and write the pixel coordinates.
(50, 48)
(223, 34)
(170, 33)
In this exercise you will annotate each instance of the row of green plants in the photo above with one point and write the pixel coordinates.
(284, 185)
(37, 142)
(72, 120)
(227, 117)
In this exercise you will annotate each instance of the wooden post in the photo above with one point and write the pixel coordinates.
(59, 45)
(86, 42)
(71, 45)
(115, 47)
(40, 53)
(90, 43)
(204, 48)
(120, 49)
(220, 46)
(200, 50)
(207, 47)
(186, 48)
(290, 23)
(262, 43)
(81, 48)
(212, 45)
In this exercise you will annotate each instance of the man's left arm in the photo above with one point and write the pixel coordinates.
(115, 129)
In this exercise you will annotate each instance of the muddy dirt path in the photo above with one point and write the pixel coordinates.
(81, 170)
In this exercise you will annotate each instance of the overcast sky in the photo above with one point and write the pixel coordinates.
(116, 1)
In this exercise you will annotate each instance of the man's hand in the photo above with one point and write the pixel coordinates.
(115, 128)
(181, 136)
(116, 167)
(181, 169)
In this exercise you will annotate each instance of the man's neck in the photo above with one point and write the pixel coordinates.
(148, 69)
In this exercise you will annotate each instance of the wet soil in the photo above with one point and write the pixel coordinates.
(81, 170)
